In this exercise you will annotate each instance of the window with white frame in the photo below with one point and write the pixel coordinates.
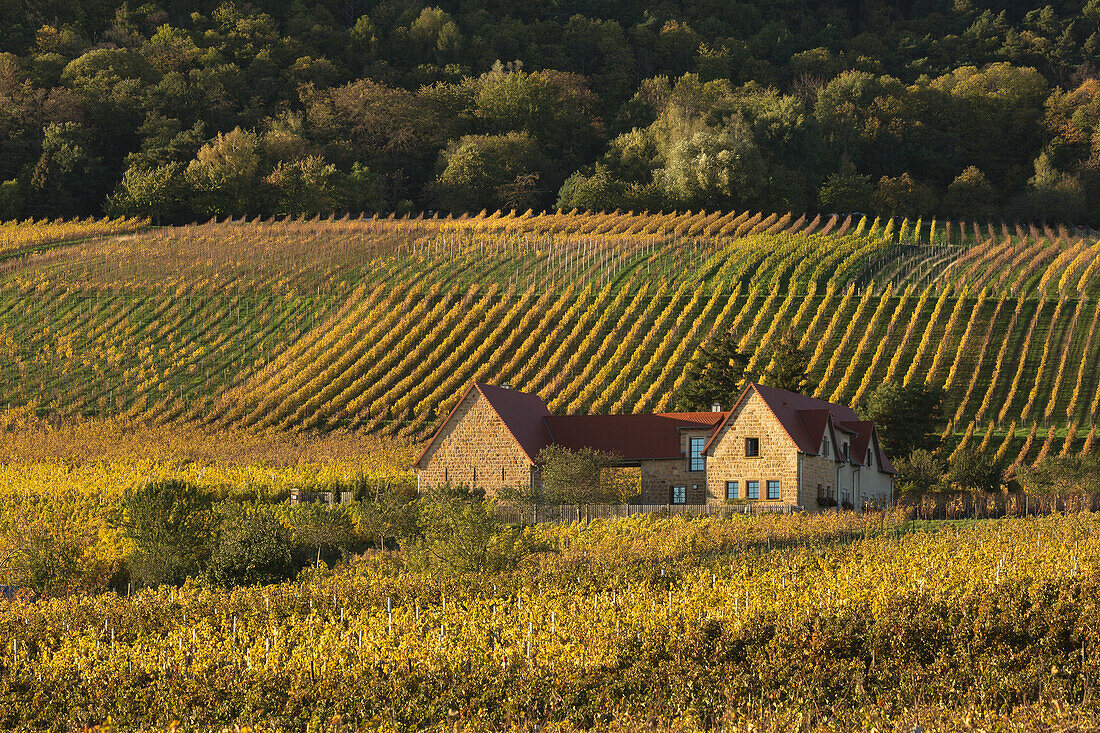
(679, 495)
(825, 448)
(752, 489)
(696, 460)
(733, 490)
(773, 490)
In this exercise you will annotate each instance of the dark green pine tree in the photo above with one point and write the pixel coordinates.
(788, 366)
(717, 374)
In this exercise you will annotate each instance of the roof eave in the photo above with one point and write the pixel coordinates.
(545, 424)
(883, 461)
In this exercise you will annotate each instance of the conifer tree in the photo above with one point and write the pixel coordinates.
(788, 366)
(717, 374)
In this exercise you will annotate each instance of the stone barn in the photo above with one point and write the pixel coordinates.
(772, 448)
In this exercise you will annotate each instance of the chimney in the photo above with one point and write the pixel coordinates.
(716, 407)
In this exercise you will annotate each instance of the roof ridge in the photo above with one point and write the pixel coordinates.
(799, 395)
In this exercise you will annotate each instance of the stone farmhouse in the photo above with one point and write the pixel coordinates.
(772, 448)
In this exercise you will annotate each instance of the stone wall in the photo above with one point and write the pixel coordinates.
(817, 471)
(658, 478)
(475, 449)
(777, 460)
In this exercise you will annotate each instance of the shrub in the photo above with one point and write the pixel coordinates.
(46, 552)
(320, 531)
(919, 474)
(1062, 476)
(252, 546)
(576, 476)
(391, 515)
(171, 525)
(972, 470)
(460, 531)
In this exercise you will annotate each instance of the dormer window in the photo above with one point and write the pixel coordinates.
(845, 449)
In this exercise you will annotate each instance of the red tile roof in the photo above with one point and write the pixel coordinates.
(786, 406)
(703, 418)
(632, 437)
(801, 416)
(805, 419)
(861, 438)
(814, 423)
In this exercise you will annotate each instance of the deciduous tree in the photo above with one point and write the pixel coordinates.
(970, 195)
(459, 531)
(171, 525)
(919, 473)
(908, 417)
(575, 476)
(482, 171)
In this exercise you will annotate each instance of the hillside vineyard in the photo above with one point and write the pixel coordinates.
(381, 323)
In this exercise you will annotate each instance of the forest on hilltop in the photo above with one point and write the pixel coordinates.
(184, 111)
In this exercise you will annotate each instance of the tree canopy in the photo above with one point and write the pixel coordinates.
(907, 417)
(576, 476)
(186, 111)
(171, 525)
(788, 366)
(716, 375)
